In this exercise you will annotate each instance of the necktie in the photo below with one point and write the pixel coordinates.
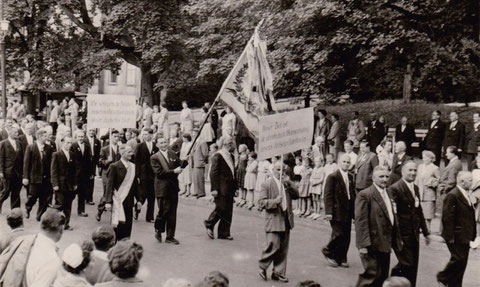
(388, 203)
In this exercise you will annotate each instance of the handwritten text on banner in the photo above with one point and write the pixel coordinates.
(111, 111)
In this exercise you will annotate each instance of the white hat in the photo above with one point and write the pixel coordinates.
(73, 255)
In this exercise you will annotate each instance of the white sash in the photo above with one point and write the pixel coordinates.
(228, 160)
(118, 214)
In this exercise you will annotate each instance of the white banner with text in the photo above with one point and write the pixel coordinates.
(111, 111)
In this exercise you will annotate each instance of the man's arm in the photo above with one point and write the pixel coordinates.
(111, 178)
(264, 200)
(333, 131)
(215, 173)
(448, 218)
(54, 171)
(329, 195)
(157, 167)
(361, 127)
(362, 226)
(27, 164)
(104, 162)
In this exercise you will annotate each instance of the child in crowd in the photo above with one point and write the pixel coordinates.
(316, 186)
(304, 188)
(241, 170)
(251, 178)
(297, 170)
(330, 166)
(307, 153)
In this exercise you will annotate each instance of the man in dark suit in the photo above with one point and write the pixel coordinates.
(36, 174)
(406, 133)
(121, 189)
(406, 196)
(28, 137)
(376, 132)
(399, 159)
(223, 186)
(146, 190)
(95, 146)
(276, 196)
(366, 162)
(82, 153)
(108, 155)
(323, 124)
(434, 139)
(166, 167)
(339, 194)
(458, 219)
(11, 168)
(454, 133)
(64, 178)
(473, 141)
(377, 229)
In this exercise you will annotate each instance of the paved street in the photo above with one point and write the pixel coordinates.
(197, 255)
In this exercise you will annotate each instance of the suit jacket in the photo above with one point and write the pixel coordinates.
(200, 155)
(473, 140)
(376, 133)
(334, 135)
(63, 172)
(454, 136)
(409, 211)
(176, 146)
(397, 165)
(434, 138)
(166, 181)
(142, 161)
(448, 177)
(115, 176)
(336, 198)
(104, 163)
(3, 134)
(372, 223)
(407, 136)
(324, 129)
(275, 217)
(221, 177)
(36, 167)
(364, 170)
(23, 140)
(11, 161)
(83, 162)
(97, 145)
(458, 219)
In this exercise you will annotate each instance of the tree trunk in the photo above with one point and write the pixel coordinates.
(307, 101)
(407, 85)
(147, 93)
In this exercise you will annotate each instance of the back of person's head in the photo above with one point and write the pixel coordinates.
(396, 282)
(76, 258)
(52, 221)
(125, 258)
(308, 283)
(216, 279)
(104, 238)
(177, 282)
(15, 218)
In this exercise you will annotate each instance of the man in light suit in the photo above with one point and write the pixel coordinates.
(199, 161)
(406, 133)
(448, 177)
(377, 229)
(434, 138)
(11, 168)
(454, 133)
(339, 194)
(399, 159)
(406, 196)
(224, 186)
(276, 198)
(364, 166)
(166, 167)
(333, 138)
(473, 140)
(458, 219)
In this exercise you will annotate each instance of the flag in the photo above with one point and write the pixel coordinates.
(248, 89)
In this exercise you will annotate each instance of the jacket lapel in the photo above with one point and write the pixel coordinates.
(340, 178)
(379, 199)
(407, 191)
(464, 200)
(122, 171)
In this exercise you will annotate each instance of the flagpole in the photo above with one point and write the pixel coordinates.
(221, 90)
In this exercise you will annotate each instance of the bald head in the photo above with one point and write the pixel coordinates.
(464, 179)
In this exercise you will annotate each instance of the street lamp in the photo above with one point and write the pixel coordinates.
(4, 25)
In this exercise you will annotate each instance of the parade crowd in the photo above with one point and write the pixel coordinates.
(390, 189)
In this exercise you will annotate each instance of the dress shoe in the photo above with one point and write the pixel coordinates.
(278, 277)
(226, 238)
(90, 203)
(440, 284)
(68, 227)
(83, 214)
(344, 265)
(98, 216)
(172, 241)
(150, 220)
(158, 236)
(263, 274)
(27, 213)
(209, 231)
(38, 218)
(331, 262)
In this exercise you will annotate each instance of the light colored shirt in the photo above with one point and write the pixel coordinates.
(353, 158)
(125, 163)
(453, 124)
(465, 194)
(165, 155)
(13, 143)
(281, 189)
(41, 147)
(433, 124)
(67, 154)
(410, 186)
(29, 139)
(149, 146)
(82, 147)
(345, 180)
(43, 263)
(388, 203)
(92, 143)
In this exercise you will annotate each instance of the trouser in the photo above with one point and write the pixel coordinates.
(90, 188)
(42, 192)
(167, 215)
(82, 191)
(407, 260)
(124, 229)
(452, 275)
(223, 212)
(63, 201)
(54, 127)
(102, 202)
(377, 266)
(11, 187)
(147, 193)
(276, 251)
(337, 247)
(199, 181)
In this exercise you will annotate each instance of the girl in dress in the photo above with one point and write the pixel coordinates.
(427, 180)
(316, 186)
(241, 170)
(251, 177)
(186, 119)
(297, 170)
(384, 153)
(184, 178)
(155, 115)
(304, 190)
(329, 168)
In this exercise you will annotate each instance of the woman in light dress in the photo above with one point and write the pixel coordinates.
(162, 122)
(207, 134)
(428, 175)
(186, 119)
(316, 186)
(384, 153)
(475, 199)
(184, 178)
(251, 177)
(155, 115)
(229, 122)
